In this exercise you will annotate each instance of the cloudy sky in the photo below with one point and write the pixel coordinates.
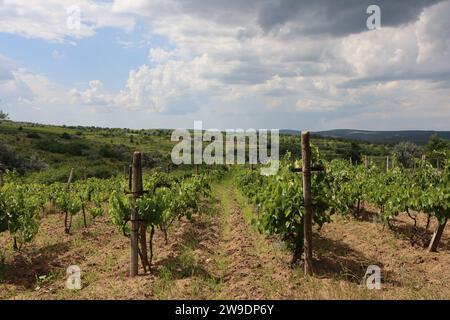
(294, 64)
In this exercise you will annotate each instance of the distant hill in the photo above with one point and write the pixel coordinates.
(419, 137)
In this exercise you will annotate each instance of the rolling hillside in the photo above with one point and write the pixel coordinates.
(416, 136)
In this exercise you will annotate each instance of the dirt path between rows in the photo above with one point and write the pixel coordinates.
(254, 271)
(243, 276)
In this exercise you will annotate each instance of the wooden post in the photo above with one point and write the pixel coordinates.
(67, 221)
(196, 169)
(1, 176)
(437, 237)
(387, 163)
(136, 189)
(69, 181)
(366, 162)
(306, 169)
(130, 177)
(438, 164)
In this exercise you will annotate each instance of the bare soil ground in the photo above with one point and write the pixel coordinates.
(219, 255)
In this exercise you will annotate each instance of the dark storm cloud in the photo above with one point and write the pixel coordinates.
(337, 18)
(319, 17)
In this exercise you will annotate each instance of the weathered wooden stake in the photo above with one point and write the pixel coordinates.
(67, 221)
(1, 177)
(366, 162)
(306, 170)
(438, 164)
(437, 237)
(130, 177)
(136, 189)
(69, 181)
(83, 209)
(387, 163)
(143, 241)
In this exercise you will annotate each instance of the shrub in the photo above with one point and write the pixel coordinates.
(72, 148)
(152, 159)
(33, 135)
(11, 160)
(405, 152)
(117, 152)
(66, 136)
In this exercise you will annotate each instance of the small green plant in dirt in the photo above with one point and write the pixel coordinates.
(188, 261)
(215, 285)
(221, 262)
(194, 287)
(46, 279)
(89, 277)
(164, 283)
